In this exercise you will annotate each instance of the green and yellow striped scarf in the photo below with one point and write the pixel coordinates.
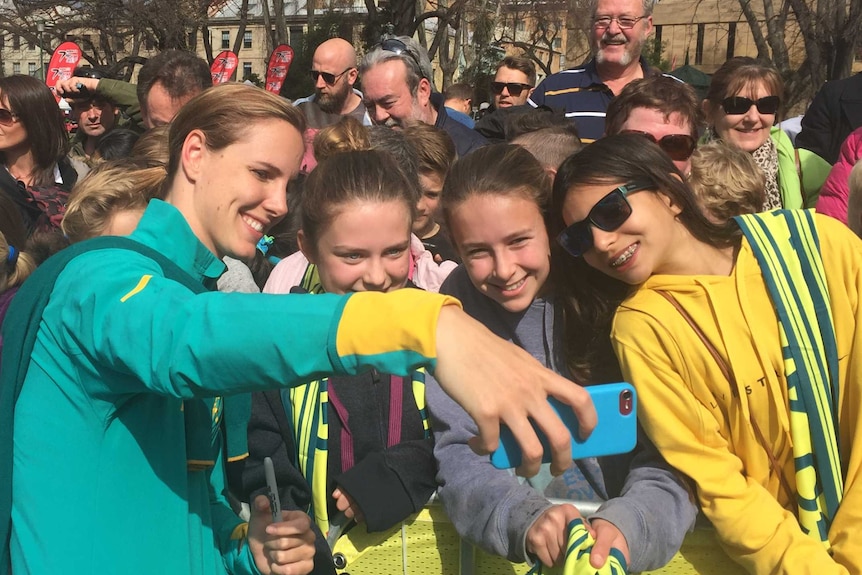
(787, 248)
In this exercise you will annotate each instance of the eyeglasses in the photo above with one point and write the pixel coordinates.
(396, 46)
(328, 77)
(740, 105)
(678, 146)
(608, 214)
(514, 88)
(624, 22)
(7, 117)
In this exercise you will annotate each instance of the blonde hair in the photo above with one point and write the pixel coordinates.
(152, 147)
(726, 181)
(15, 265)
(111, 187)
(346, 135)
(854, 199)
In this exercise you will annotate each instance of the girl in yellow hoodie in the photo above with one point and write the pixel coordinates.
(690, 315)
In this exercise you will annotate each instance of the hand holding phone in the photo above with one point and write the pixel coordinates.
(272, 490)
(615, 433)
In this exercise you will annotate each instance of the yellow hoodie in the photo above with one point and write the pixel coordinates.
(702, 425)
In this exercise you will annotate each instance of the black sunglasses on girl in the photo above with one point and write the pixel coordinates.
(514, 88)
(678, 146)
(739, 105)
(608, 214)
(7, 118)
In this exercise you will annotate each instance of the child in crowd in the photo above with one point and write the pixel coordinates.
(494, 203)
(854, 201)
(361, 442)
(111, 200)
(551, 145)
(345, 135)
(726, 181)
(741, 340)
(435, 153)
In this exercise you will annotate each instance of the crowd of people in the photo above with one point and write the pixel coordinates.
(446, 274)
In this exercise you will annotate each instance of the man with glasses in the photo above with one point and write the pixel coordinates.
(662, 109)
(398, 88)
(333, 69)
(513, 82)
(619, 31)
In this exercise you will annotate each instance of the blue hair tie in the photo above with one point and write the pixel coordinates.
(12, 257)
(264, 244)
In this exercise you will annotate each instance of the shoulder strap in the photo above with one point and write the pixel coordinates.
(728, 375)
(19, 337)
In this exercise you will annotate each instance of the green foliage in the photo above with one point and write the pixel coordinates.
(652, 51)
(481, 72)
(254, 79)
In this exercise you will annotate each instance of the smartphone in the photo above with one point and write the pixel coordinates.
(615, 433)
(272, 488)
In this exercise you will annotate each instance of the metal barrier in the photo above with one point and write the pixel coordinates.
(426, 543)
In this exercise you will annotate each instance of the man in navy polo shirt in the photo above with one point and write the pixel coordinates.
(618, 33)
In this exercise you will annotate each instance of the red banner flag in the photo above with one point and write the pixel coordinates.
(279, 64)
(63, 62)
(223, 66)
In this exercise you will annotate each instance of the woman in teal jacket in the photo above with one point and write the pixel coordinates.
(105, 425)
(741, 107)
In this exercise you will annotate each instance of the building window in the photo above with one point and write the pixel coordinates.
(657, 35)
(16, 67)
(86, 40)
(731, 40)
(558, 44)
(31, 44)
(297, 36)
(246, 39)
(119, 44)
(521, 26)
(246, 70)
(31, 68)
(192, 39)
(2, 41)
(698, 48)
(225, 40)
(148, 43)
(16, 42)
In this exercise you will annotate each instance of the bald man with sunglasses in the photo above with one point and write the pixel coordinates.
(334, 72)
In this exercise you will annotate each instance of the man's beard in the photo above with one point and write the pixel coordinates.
(632, 48)
(332, 103)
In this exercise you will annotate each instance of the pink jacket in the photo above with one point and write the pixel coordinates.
(424, 271)
(835, 191)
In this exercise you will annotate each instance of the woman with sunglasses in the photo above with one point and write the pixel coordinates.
(33, 146)
(661, 109)
(720, 354)
(741, 108)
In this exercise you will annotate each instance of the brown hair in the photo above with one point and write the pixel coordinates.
(15, 265)
(726, 181)
(345, 135)
(181, 74)
(111, 187)
(215, 111)
(738, 73)
(521, 64)
(663, 93)
(551, 145)
(37, 111)
(435, 150)
(500, 170)
(362, 175)
(152, 147)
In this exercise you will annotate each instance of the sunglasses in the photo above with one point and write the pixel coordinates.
(678, 146)
(328, 77)
(514, 88)
(396, 46)
(740, 105)
(7, 117)
(608, 214)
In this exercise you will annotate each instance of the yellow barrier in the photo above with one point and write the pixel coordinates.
(427, 544)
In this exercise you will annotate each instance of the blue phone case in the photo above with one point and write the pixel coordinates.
(615, 433)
